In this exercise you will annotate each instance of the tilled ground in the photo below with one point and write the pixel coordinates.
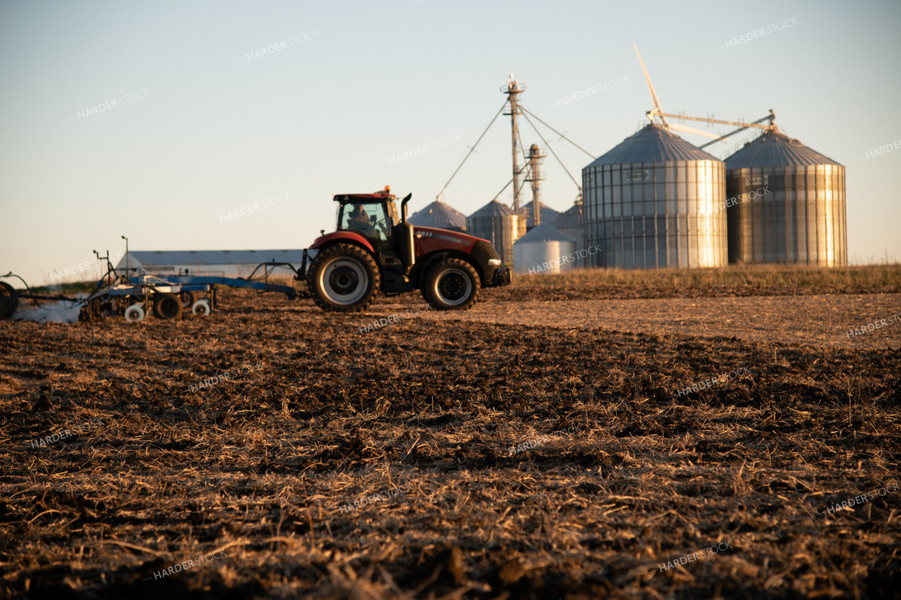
(850, 321)
(444, 456)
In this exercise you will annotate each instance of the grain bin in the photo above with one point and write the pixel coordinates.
(543, 250)
(548, 214)
(571, 223)
(496, 223)
(652, 201)
(786, 204)
(439, 214)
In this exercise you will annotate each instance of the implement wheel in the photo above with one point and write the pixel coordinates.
(201, 307)
(134, 313)
(452, 284)
(9, 300)
(188, 298)
(167, 306)
(343, 278)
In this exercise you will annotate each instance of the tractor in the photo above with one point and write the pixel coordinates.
(375, 249)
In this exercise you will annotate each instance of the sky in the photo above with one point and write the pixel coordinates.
(197, 125)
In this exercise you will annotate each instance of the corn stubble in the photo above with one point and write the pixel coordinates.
(412, 426)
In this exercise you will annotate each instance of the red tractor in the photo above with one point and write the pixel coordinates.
(376, 249)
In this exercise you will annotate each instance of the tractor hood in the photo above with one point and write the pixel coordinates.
(444, 236)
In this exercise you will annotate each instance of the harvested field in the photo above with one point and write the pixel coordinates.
(529, 448)
(818, 320)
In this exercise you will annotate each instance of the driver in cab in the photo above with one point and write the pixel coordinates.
(359, 220)
(362, 222)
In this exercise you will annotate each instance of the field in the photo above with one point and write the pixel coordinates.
(563, 439)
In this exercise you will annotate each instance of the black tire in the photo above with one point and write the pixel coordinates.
(167, 306)
(9, 300)
(187, 299)
(343, 278)
(452, 284)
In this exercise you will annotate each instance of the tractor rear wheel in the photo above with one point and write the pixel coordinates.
(452, 284)
(9, 300)
(167, 306)
(343, 278)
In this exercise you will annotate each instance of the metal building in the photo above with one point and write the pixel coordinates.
(786, 204)
(439, 214)
(652, 202)
(496, 223)
(543, 250)
(571, 223)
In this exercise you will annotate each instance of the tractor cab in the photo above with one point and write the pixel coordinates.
(374, 216)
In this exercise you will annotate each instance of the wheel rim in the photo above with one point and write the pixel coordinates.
(344, 280)
(453, 287)
(134, 313)
(201, 307)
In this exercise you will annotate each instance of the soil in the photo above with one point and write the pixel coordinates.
(531, 447)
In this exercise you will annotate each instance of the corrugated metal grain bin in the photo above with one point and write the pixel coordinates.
(786, 204)
(496, 223)
(572, 224)
(652, 202)
(439, 214)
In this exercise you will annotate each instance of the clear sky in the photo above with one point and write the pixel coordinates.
(198, 120)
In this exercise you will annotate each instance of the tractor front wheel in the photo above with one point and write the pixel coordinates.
(452, 284)
(343, 278)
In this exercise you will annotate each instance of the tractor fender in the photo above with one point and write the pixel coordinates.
(342, 236)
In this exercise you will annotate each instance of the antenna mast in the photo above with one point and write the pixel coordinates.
(513, 90)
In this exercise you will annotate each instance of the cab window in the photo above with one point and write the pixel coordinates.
(369, 219)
